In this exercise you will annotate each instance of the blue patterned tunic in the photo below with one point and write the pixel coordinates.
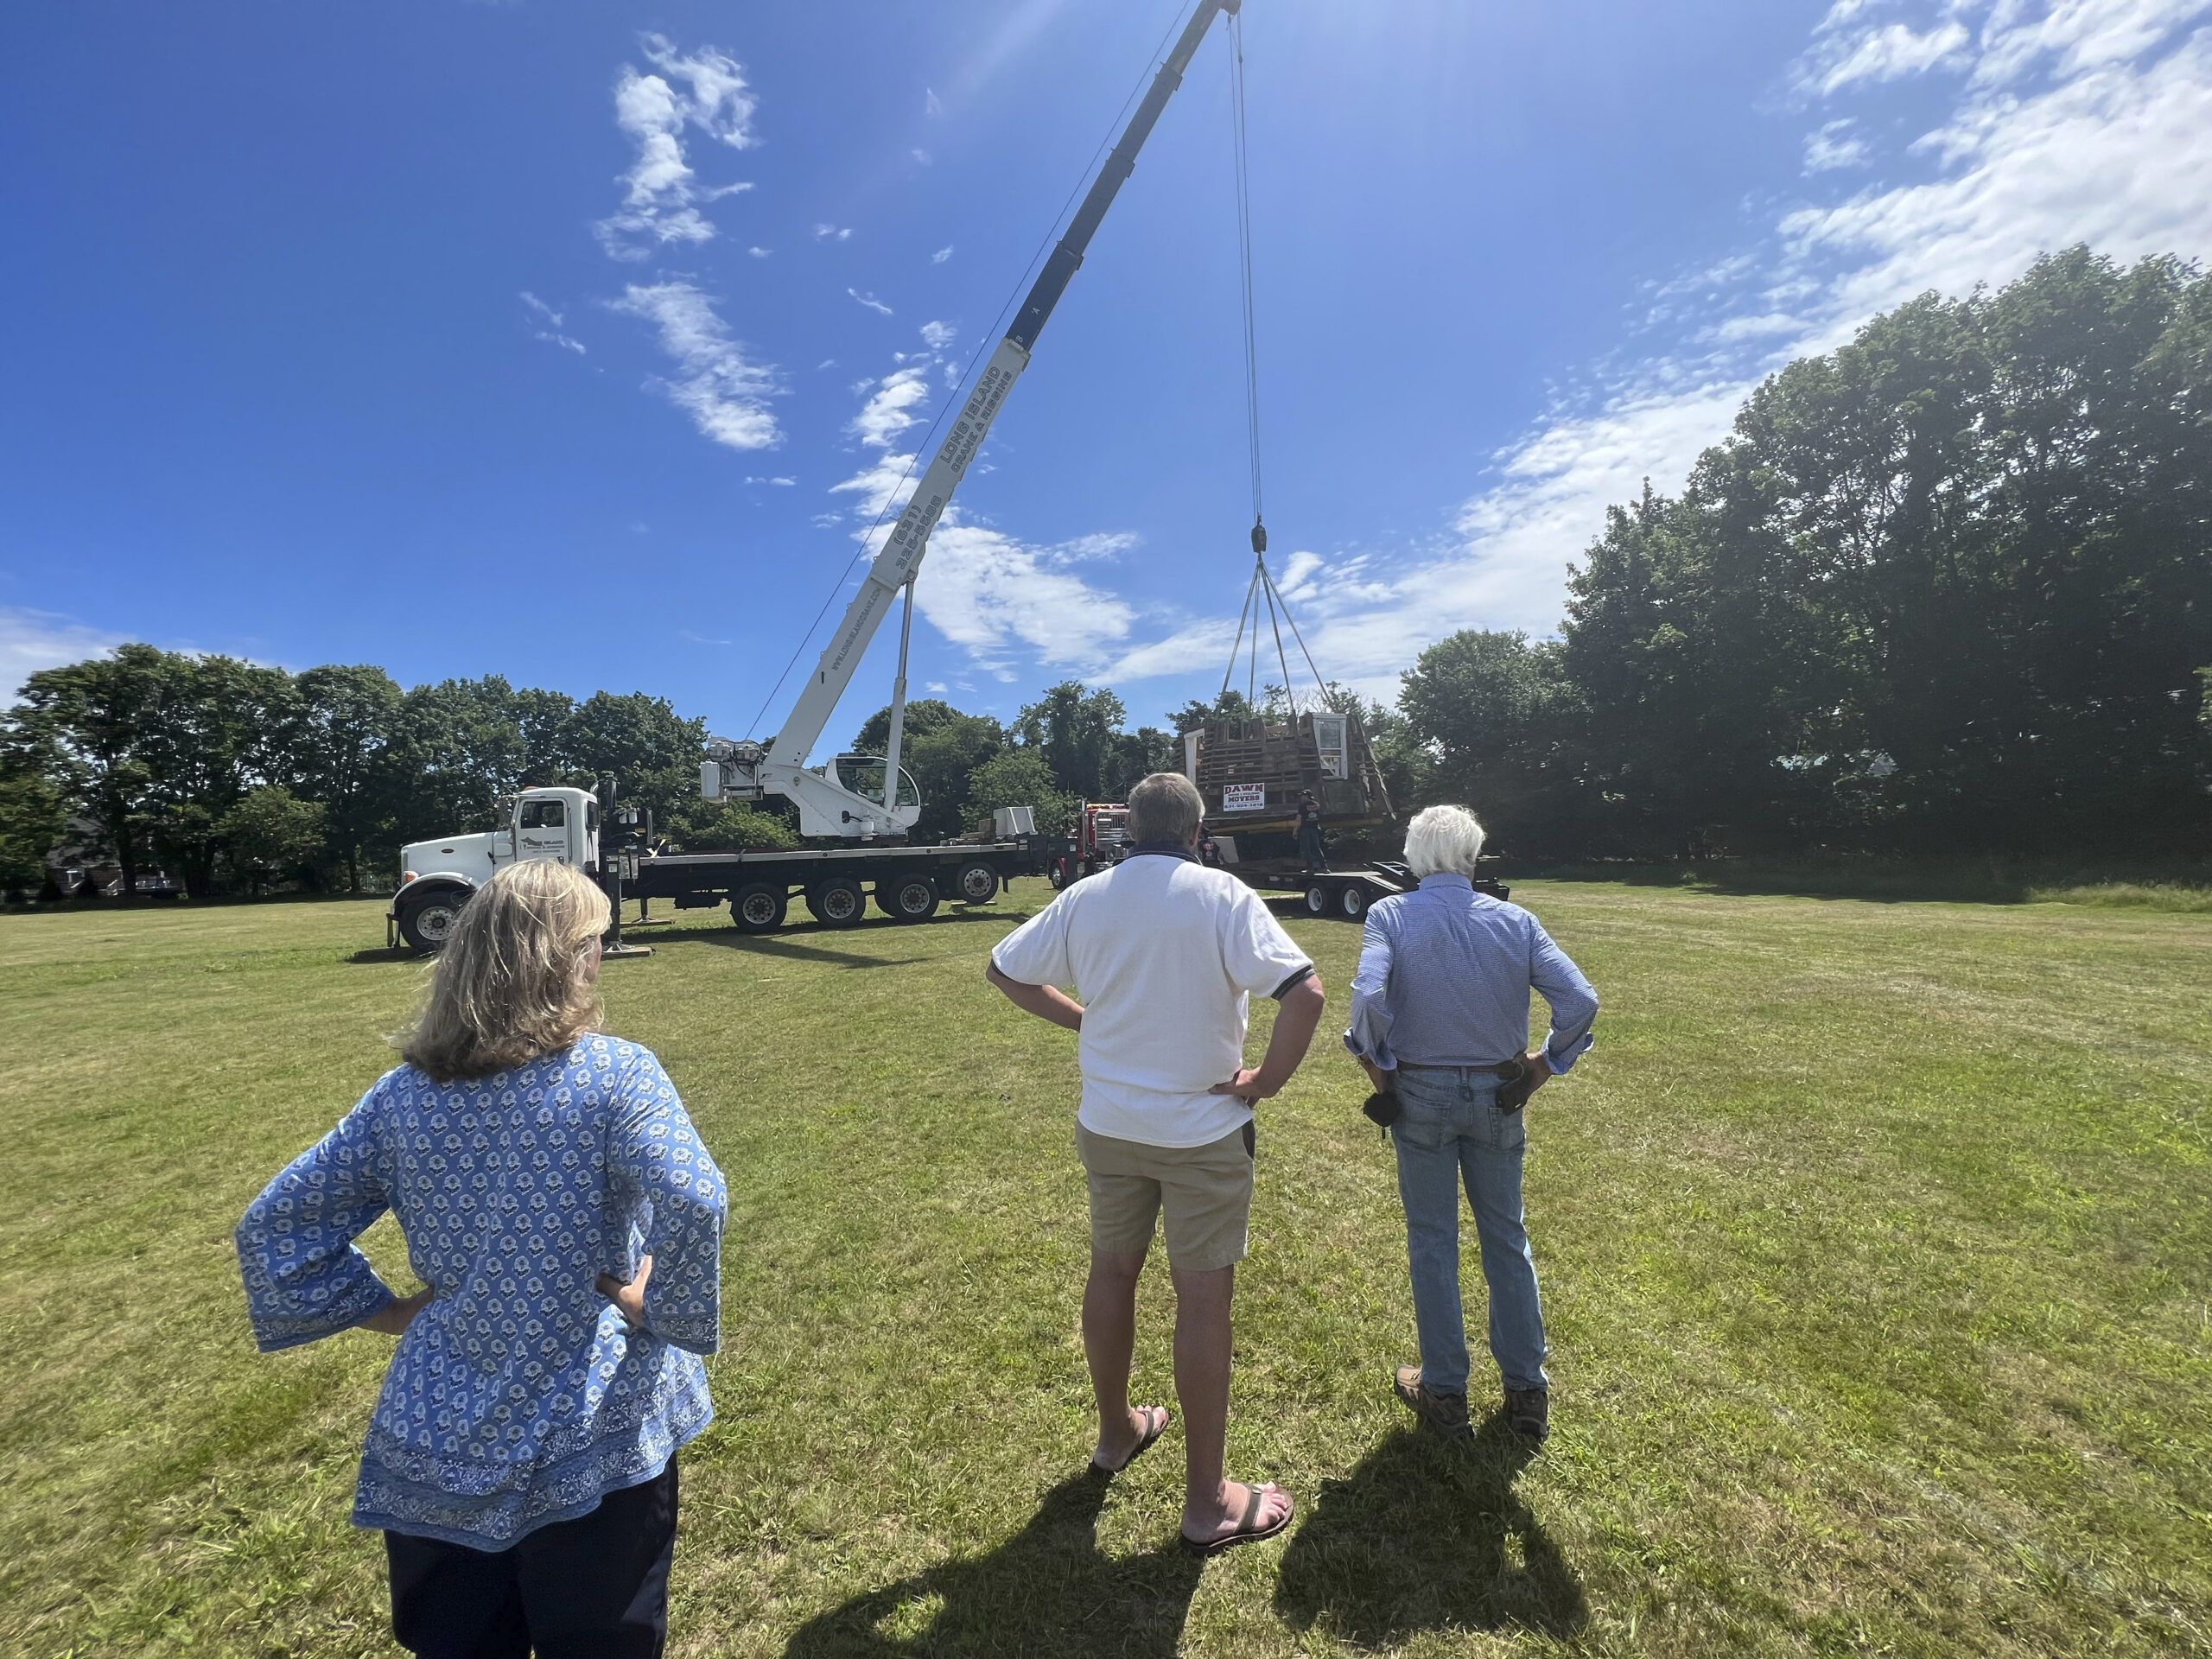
(519, 1395)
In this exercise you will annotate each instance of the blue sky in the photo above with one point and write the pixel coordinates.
(578, 343)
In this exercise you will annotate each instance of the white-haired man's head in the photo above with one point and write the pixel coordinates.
(1443, 841)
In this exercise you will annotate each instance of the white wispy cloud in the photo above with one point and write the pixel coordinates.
(1834, 146)
(832, 233)
(938, 335)
(1846, 55)
(894, 404)
(31, 640)
(552, 319)
(760, 253)
(1003, 600)
(2075, 121)
(871, 301)
(726, 394)
(920, 156)
(704, 90)
(942, 255)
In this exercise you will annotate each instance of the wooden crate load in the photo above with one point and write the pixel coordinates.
(1251, 772)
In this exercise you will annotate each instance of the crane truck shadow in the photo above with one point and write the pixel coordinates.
(788, 948)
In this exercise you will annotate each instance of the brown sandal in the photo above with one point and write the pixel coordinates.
(1246, 1533)
(1159, 1427)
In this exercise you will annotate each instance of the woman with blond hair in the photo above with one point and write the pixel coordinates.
(567, 1223)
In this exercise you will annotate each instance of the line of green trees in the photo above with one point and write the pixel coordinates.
(228, 775)
(1947, 588)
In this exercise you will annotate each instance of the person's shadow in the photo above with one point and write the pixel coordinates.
(1429, 1535)
(1047, 1590)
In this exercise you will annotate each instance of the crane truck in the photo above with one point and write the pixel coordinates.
(863, 804)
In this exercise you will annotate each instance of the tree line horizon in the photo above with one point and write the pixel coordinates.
(1947, 589)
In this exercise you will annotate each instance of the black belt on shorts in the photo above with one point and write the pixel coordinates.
(1506, 1069)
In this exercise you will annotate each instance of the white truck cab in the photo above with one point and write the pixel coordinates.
(437, 877)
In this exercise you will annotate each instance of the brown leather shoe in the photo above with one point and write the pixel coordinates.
(1527, 1413)
(1446, 1413)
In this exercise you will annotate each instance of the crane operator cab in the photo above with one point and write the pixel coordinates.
(862, 775)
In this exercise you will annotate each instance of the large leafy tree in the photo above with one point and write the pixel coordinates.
(1073, 730)
(641, 742)
(32, 823)
(348, 718)
(1945, 589)
(269, 832)
(1485, 709)
(215, 730)
(86, 725)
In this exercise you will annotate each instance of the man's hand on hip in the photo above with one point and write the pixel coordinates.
(1298, 1012)
(1247, 1086)
(1540, 1069)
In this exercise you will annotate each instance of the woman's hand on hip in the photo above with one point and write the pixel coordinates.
(629, 1300)
(396, 1315)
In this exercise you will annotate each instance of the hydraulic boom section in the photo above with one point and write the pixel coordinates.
(744, 770)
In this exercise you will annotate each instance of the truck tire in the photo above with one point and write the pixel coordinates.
(975, 882)
(907, 898)
(759, 908)
(1352, 901)
(426, 921)
(837, 901)
(1316, 899)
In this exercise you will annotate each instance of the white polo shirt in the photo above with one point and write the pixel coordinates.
(1164, 955)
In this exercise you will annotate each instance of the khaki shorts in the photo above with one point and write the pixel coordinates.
(1205, 1191)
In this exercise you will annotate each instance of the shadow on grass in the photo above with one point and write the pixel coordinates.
(1047, 1590)
(1429, 1535)
(389, 953)
(1962, 881)
(784, 946)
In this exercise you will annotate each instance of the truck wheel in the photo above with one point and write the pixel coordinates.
(837, 902)
(1057, 874)
(908, 899)
(1353, 902)
(976, 883)
(426, 923)
(1316, 899)
(759, 908)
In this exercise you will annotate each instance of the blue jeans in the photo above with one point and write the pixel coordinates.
(1452, 1131)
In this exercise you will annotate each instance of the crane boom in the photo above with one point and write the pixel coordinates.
(901, 554)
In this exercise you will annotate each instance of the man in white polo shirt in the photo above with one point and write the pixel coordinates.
(1166, 955)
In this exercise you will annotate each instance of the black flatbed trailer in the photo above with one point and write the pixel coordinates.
(907, 882)
(1345, 893)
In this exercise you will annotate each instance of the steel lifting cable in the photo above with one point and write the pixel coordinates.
(1263, 589)
(1245, 257)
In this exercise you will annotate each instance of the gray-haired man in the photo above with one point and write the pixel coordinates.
(1166, 954)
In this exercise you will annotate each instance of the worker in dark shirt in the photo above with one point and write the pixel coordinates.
(1309, 832)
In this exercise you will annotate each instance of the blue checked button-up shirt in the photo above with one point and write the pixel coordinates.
(1444, 978)
(519, 1395)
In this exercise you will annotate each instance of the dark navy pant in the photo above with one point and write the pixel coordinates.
(594, 1585)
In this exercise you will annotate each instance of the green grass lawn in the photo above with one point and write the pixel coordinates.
(1875, 1241)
